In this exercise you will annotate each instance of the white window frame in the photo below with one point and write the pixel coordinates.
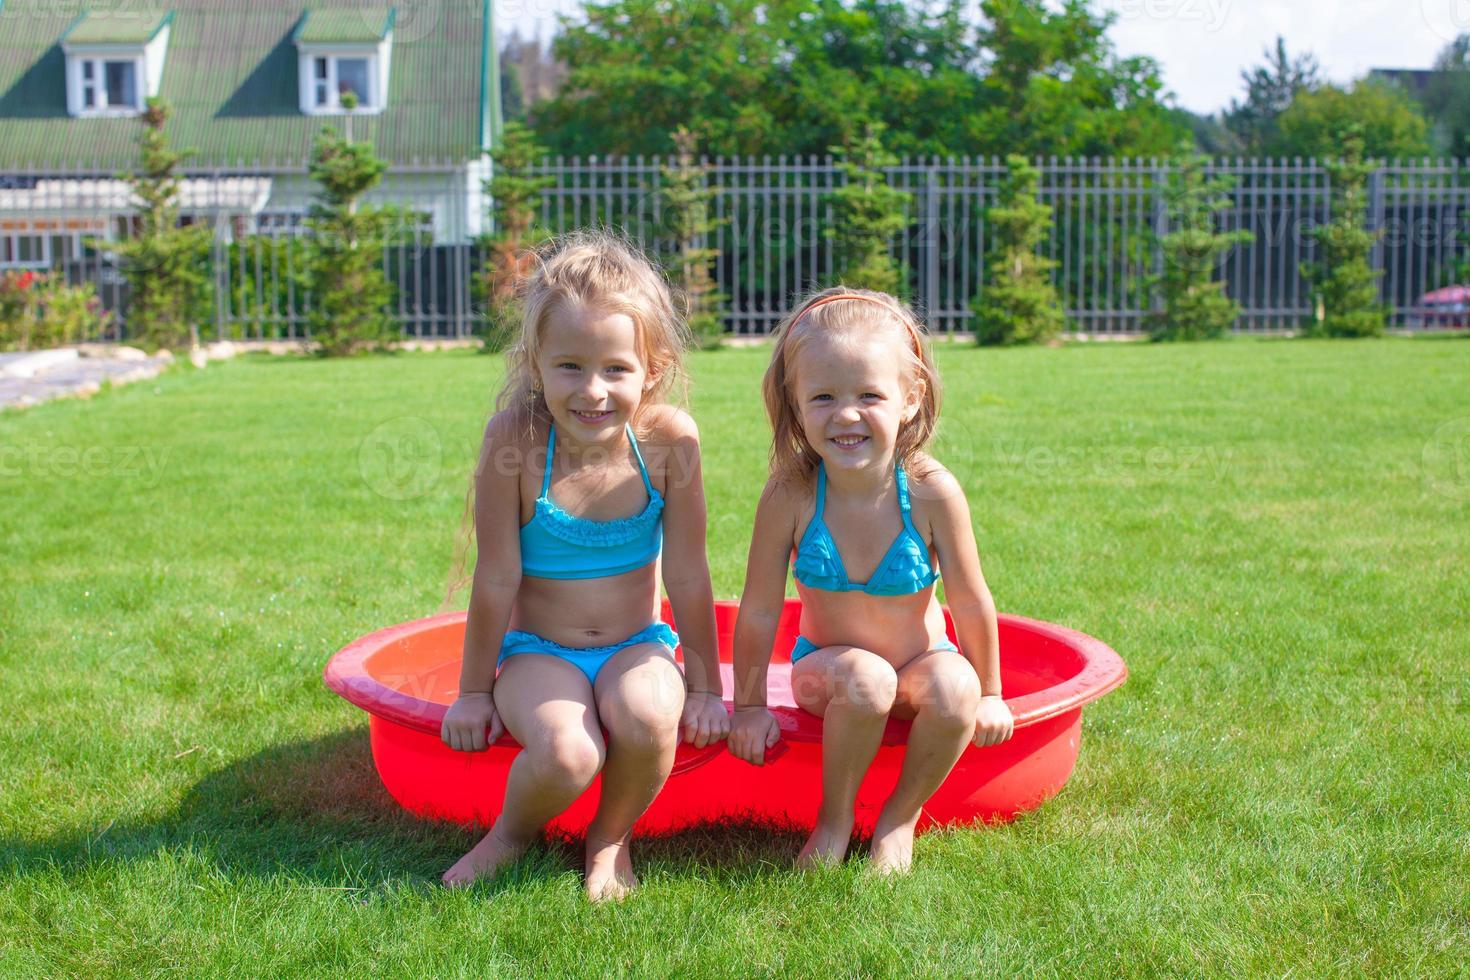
(379, 59)
(147, 64)
(10, 249)
(331, 85)
(80, 67)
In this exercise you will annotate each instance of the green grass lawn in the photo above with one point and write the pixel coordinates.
(1274, 535)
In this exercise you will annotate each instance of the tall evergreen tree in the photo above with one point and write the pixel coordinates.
(1269, 91)
(1446, 97)
(1344, 276)
(686, 198)
(515, 196)
(1194, 302)
(869, 213)
(1018, 302)
(166, 266)
(344, 254)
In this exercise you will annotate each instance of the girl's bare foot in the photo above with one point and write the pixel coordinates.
(893, 847)
(485, 858)
(609, 870)
(826, 845)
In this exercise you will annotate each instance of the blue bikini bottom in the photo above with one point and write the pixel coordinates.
(803, 646)
(589, 660)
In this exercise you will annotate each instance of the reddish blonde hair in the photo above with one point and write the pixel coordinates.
(857, 314)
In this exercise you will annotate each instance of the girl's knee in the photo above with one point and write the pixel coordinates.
(952, 691)
(645, 708)
(866, 682)
(568, 756)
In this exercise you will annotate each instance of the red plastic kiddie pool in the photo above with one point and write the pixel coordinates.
(406, 676)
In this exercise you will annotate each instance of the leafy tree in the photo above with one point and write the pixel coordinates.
(1270, 90)
(1018, 303)
(166, 266)
(868, 214)
(1195, 305)
(1208, 133)
(686, 198)
(1389, 121)
(515, 196)
(1345, 278)
(796, 76)
(344, 254)
(1054, 84)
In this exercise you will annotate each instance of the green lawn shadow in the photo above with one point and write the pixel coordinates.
(315, 810)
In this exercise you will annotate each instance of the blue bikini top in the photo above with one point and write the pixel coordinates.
(555, 544)
(904, 570)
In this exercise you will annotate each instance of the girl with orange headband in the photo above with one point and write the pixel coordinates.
(871, 521)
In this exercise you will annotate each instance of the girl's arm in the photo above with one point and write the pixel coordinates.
(471, 723)
(755, 728)
(686, 580)
(969, 600)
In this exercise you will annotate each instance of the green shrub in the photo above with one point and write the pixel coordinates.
(1344, 278)
(40, 310)
(1018, 302)
(1195, 306)
(868, 214)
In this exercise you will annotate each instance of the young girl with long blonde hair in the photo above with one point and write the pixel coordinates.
(586, 476)
(871, 521)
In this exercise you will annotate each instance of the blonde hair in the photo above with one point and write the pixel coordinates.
(602, 271)
(591, 269)
(858, 314)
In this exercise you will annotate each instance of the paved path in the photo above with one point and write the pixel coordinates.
(27, 379)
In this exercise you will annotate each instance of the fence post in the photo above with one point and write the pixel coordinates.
(1375, 223)
(221, 263)
(1160, 229)
(929, 241)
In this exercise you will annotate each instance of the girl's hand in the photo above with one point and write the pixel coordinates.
(471, 724)
(705, 720)
(993, 722)
(754, 731)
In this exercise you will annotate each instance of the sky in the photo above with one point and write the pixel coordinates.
(1204, 44)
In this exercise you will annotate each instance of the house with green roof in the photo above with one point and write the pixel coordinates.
(250, 83)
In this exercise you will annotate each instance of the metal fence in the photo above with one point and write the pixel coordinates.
(774, 234)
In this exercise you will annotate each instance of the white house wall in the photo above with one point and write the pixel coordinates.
(452, 198)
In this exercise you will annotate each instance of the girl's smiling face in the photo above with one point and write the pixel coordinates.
(852, 396)
(590, 372)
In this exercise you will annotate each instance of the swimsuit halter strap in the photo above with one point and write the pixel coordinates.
(903, 491)
(821, 490)
(551, 453)
(642, 469)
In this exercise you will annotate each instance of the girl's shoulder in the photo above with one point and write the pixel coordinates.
(791, 500)
(929, 480)
(513, 429)
(666, 425)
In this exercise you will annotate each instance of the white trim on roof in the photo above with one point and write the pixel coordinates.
(240, 195)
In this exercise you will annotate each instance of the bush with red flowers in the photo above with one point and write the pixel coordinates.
(39, 310)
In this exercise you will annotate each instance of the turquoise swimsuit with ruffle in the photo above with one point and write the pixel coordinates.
(904, 570)
(558, 545)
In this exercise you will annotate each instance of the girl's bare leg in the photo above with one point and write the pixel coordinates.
(940, 691)
(852, 690)
(547, 706)
(640, 695)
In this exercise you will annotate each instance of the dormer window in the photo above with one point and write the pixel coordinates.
(342, 51)
(114, 61)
